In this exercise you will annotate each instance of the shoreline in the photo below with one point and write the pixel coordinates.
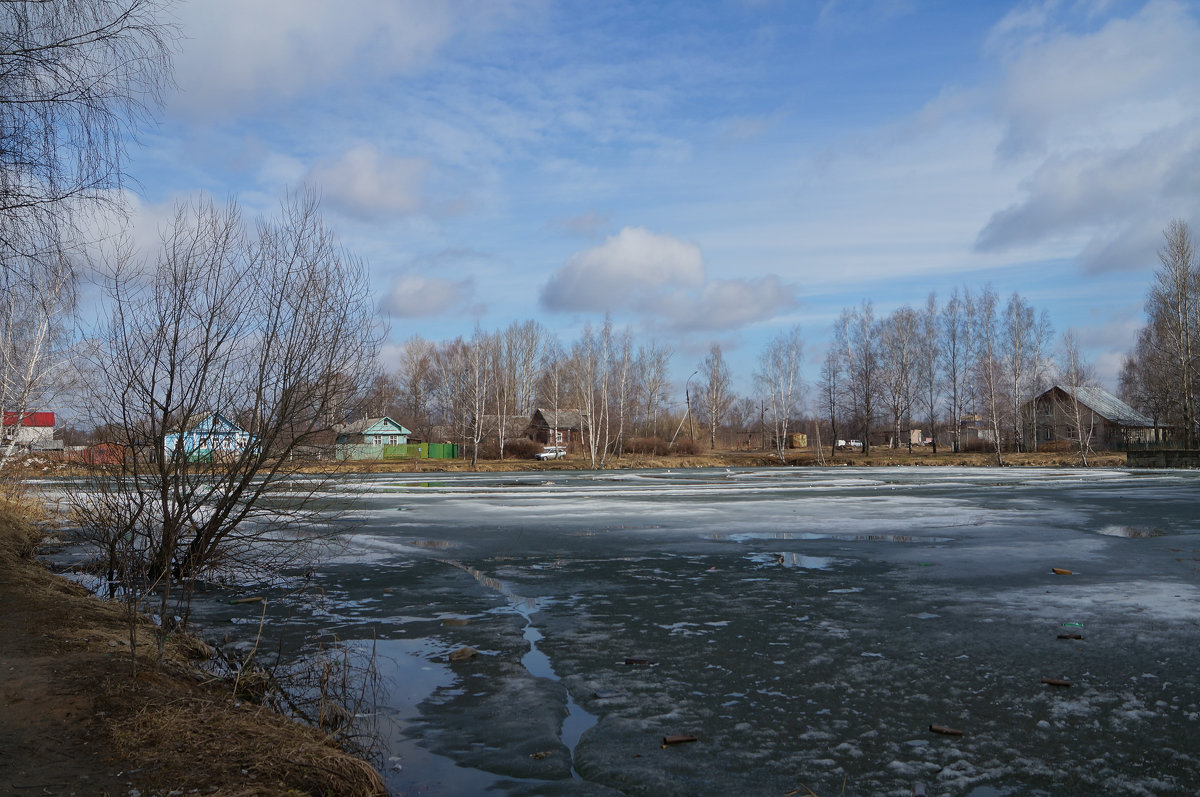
(158, 727)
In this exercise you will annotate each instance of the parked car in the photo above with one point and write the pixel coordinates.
(552, 452)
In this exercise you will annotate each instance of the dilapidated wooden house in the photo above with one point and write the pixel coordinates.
(557, 428)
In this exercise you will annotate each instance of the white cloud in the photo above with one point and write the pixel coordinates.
(1128, 77)
(416, 296)
(663, 280)
(242, 52)
(624, 270)
(1113, 112)
(727, 304)
(368, 185)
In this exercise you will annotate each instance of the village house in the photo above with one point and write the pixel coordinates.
(205, 434)
(372, 432)
(1104, 417)
(28, 430)
(557, 428)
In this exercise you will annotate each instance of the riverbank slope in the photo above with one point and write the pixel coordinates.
(79, 718)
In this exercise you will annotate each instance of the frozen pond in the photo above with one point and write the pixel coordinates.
(806, 626)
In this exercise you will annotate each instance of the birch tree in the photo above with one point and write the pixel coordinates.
(715, 398)
(779, 381)
(1076, 374)
(1025, 338)
(929, 358)
(988, 365)
(898, 356)
(957, 326)
(858, 339)
(1173, 310)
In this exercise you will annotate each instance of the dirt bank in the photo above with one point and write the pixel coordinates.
(76, 719)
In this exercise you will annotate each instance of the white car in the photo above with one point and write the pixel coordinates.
(552, 452)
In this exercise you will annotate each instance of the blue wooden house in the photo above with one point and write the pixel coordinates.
(372, 432)
(205, 434)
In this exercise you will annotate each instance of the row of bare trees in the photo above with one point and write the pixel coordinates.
(967, 358)
(1161, 376)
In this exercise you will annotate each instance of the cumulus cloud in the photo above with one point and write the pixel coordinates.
(662, 279)
(727, 304)
(369, 185)
(417, 296)
(626, 268)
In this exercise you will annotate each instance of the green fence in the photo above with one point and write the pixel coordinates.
(409, 451)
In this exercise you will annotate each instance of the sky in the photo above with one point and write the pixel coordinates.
(702, 172)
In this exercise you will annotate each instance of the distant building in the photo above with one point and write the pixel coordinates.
(29, 429)
(1106, 419)
(205, 434)
(372, 432)
(557, 428)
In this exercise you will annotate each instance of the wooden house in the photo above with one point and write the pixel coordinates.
(1106, 420)
(513, 425)
(557, 428)
(372, 432)
(205, 434)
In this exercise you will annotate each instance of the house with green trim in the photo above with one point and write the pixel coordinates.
(372, 432)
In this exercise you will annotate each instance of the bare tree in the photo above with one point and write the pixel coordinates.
(1173, 309)
(417, 384)
(270, 330)
(989, 367)
(957, 328)
(36, 302)
(715, 398)
(1145, 382)
(652, 366)
(857, 335)
(830, 387)
(898, 367)
(77, 78)
(476, 386)
(929, 358)
(588, 374)
(1075, 374)
(1025, 338)
(779, 381)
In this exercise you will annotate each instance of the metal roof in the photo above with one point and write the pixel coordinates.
(1107, 405)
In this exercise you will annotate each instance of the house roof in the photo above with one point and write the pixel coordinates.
(210, 421)
(29, 419)
(561, 419)
(383, 425)
(1107, 405)
(513, 424)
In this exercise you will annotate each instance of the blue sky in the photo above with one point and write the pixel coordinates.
(703, 171)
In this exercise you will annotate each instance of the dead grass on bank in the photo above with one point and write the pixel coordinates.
(878, 457)
(168, 721)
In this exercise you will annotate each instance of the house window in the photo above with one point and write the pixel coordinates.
(558, 438)
(378, 440)
(391, 440)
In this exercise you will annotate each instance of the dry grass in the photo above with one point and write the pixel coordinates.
(165, 720)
